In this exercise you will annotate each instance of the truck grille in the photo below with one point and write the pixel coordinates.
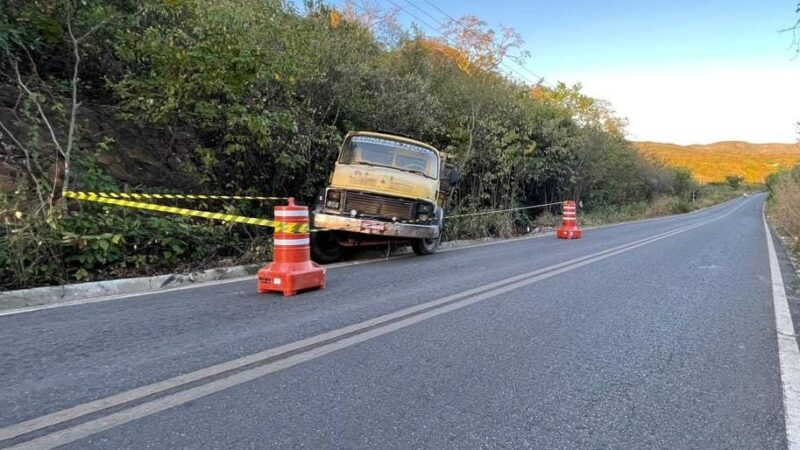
(378, 206)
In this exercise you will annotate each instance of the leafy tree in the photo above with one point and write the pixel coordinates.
(586, 110)
(684, 183)
(480, 47)
(267, 93)
(734, 180)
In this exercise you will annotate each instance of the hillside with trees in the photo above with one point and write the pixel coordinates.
(254, 97)
(714, 162)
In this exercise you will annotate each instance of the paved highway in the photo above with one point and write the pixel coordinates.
(657, 334)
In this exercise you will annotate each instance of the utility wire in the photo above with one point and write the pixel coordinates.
(438, 31)
(534, 74)
(416, 17)
(423, 11)
(437, 8)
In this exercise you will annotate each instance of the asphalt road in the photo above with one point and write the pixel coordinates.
(658, 334)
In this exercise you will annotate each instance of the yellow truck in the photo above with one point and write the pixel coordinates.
(384, 187)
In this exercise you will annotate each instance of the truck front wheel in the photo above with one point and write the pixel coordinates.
(425, 246)
(428, 246)
(325, 248)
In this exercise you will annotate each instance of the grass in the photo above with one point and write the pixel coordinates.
(506, 225)
(784, 207)
(709, 195)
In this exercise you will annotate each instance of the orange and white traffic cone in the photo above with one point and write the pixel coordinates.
(569, 222)
(291, 269)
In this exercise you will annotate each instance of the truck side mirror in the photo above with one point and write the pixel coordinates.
(453, 177)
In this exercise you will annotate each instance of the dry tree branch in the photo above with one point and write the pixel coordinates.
(15, 65)
(794, 29)
(74, 88)
(76, 42)
(64, 151)
(28, 165)
(37, 103)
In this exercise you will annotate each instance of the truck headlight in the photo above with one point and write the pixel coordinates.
(333, 199)
(424, 211)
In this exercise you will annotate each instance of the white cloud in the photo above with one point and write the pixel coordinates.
(688, 105)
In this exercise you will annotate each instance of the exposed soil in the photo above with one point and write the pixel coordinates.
(133, 155)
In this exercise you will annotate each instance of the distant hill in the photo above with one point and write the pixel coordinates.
(712, 162)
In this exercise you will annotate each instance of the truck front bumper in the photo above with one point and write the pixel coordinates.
(376, 227)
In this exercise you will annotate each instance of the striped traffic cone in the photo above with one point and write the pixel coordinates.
(291, 269)
(569, 222)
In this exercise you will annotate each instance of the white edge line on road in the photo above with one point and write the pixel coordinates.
(29, 309)
(788, 350)
(97, 425)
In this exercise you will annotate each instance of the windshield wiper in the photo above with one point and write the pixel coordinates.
(371, 164)
(411, 170)
(418, 172)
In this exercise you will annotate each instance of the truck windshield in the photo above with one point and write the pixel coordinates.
(389, 153)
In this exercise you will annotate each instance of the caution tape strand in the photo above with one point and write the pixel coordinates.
(119, 199)
(129, 195)
(495, 211)
(482, 213)
(279, 226)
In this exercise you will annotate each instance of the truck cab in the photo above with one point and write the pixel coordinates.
(383, 187)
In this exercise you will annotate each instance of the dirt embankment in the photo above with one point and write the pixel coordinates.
(133, 155)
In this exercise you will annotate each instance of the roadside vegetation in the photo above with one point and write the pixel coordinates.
(253, 97)
(784, 205)
(701, 196)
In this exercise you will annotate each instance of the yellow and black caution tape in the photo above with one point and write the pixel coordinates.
(126, 195)
(279, 226)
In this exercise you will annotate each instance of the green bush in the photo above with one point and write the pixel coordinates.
(99, 242)
(681, 207)
(734, 181)
(92, 241)
(603, 214)
(267, 93)
(784, 205)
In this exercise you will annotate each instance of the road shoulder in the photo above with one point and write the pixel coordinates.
(790, 271)
(784, 283)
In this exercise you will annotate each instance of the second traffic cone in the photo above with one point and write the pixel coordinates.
(291, 269)
(569, 222)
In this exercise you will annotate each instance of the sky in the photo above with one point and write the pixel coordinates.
(680, 71)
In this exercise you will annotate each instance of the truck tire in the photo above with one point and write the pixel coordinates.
(425, 246)
(325, 248)
(428, 246)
